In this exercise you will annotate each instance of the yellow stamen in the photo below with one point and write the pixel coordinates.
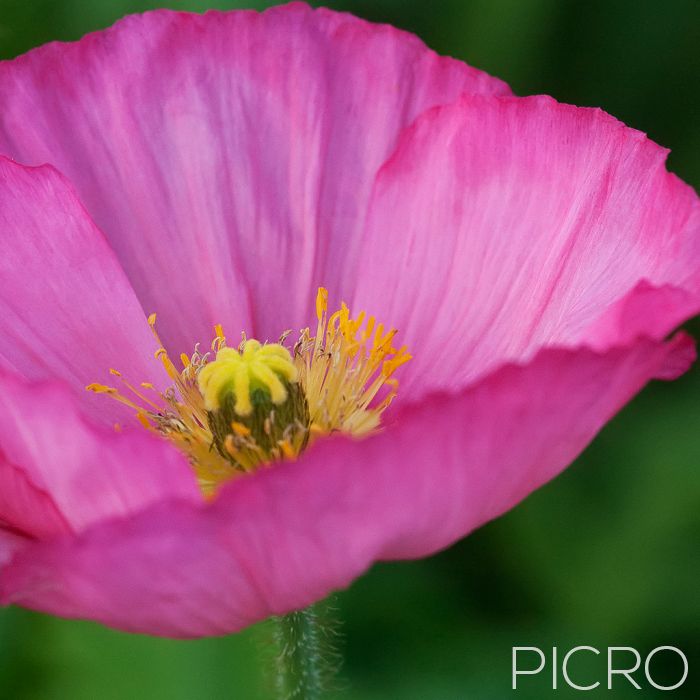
(240, 429)
(260, 403)
(344, 367)
(321, 302)
(100, 389)
(287, 449)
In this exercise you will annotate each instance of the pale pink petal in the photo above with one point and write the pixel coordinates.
(288, 535)
(228, 157)
(58, 473)
(67, 311)
(502, 225)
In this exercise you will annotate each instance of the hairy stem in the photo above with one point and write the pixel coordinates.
(306, 659)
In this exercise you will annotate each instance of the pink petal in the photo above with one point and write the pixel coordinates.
(60, 474)
(288, 535)
(67, 310)
(9, 544)
(645, 310)
(25, 508)
(228, 157)
(503, 225)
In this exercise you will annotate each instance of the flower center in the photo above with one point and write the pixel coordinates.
(232, 410)
(256, 409)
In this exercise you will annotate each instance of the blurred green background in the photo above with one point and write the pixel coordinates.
(606, 555)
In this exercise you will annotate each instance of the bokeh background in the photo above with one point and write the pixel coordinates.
(606, 555)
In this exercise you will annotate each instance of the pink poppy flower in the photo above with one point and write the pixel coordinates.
(219, 169)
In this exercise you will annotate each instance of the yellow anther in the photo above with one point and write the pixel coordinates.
(152, 320)
(100, 389)
(321, 302)
(255, 367)
(143, 419)
(287, 449)
(240, 429)
(115, 372)
(185, 359)
(315, 430)
(401, 358)
(230, 446)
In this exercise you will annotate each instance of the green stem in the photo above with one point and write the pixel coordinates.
(306, 659)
